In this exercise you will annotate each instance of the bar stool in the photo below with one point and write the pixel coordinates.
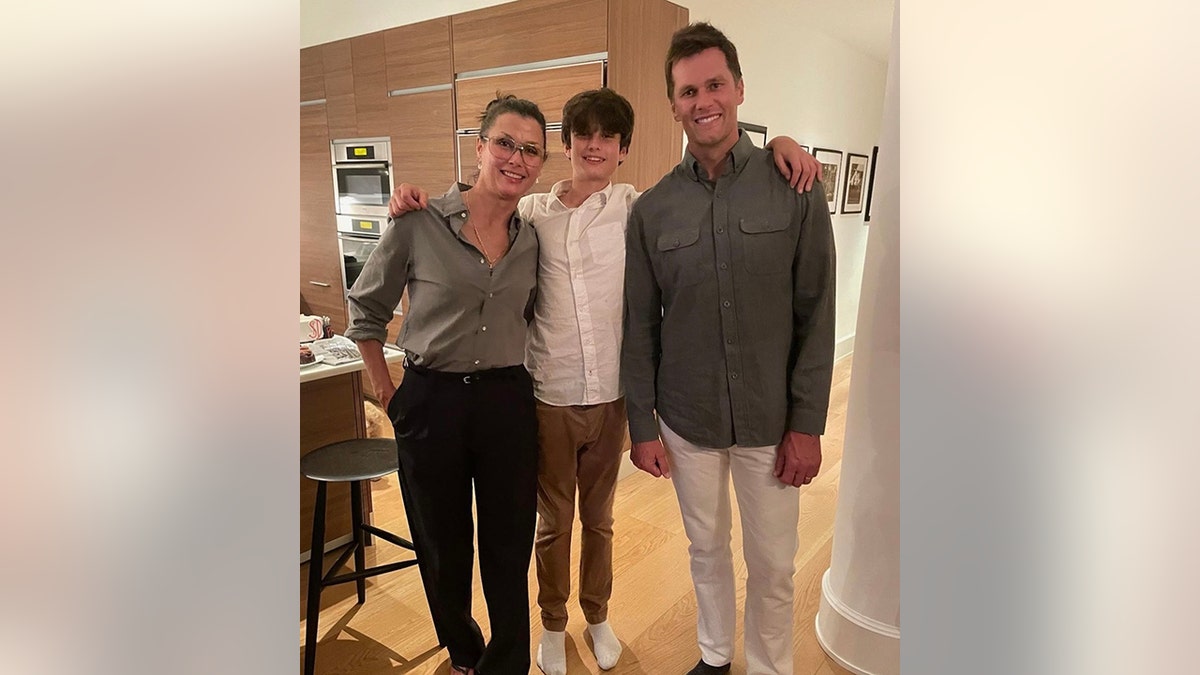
(351, 461)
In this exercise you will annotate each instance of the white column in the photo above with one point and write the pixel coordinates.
(858, 624)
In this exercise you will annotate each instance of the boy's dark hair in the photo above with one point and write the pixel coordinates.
(693, 39)
(597, 110)
(507, 103)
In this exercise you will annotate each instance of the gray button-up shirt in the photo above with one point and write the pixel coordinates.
(462, 315)
(729, 305)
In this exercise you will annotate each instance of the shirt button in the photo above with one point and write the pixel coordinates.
(464, 215)
(490, 295)
(484, 329)
(728, 341)
(726, 303)
(724, 266)
(720, 230)
(733, 376)
(476, 361)
(482, 261)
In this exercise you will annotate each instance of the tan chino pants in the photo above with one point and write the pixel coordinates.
(579, 449)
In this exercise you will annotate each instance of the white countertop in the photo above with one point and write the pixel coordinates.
(321, 371)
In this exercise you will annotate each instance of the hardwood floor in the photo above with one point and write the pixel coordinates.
(653, 609)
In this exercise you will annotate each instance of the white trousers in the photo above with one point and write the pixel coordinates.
(770, 513)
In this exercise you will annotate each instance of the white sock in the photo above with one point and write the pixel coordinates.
(552, 652)
(605, 644)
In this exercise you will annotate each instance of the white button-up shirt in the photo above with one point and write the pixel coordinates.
(573, 350)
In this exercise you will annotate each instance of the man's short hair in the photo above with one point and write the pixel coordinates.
(598, 110)
(693, 39)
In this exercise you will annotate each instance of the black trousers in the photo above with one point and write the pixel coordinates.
(455, 432)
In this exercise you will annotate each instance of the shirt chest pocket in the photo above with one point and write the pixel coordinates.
(767, 246)
(606, 243)
(681, 257)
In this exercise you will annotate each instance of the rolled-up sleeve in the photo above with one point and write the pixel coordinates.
(813, 316)
(642, 323)
(377, 292)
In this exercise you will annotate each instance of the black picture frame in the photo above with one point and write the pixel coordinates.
(756, 132)
(854, 183)
(831, 174)
(871, 183)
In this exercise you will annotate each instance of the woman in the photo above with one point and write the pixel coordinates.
(464, 414)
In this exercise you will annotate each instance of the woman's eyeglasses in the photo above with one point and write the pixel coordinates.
(505, 147)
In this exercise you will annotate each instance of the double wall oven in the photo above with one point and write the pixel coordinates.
(362, 186)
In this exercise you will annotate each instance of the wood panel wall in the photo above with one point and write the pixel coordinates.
(638, 37)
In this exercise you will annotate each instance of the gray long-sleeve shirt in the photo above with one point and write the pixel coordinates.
(729, 305)
(462, 315)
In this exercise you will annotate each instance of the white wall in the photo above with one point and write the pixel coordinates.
(800, 82)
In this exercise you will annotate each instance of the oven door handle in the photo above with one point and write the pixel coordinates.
(361, 165)
(358, 238)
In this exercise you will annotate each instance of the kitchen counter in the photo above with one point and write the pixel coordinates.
(320, 371)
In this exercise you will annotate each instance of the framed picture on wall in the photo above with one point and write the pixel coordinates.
(756, 132)
(854, 188)
(831, 170)
(871, 183)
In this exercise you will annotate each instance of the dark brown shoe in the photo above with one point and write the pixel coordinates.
(703, 668)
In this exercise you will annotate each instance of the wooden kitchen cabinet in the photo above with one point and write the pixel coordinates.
(320, 260)
(529, 31)
(312, 75)
(370, 85)
(338, 64)
(421, 127)
(418, 55)
(549, 88)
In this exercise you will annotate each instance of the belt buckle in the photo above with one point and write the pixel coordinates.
(468, 379)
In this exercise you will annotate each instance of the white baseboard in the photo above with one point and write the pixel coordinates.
(329, 546)
(843, 348)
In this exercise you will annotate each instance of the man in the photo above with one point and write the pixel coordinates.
(573, 354)
(729, 293)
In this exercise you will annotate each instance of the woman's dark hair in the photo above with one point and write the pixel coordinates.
(598, 110)
(507, 103)
(693, 39)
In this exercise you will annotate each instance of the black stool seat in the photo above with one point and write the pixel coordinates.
(353, 462)
(358, 459)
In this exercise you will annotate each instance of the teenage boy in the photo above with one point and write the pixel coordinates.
(573, 354)
(728, 352)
